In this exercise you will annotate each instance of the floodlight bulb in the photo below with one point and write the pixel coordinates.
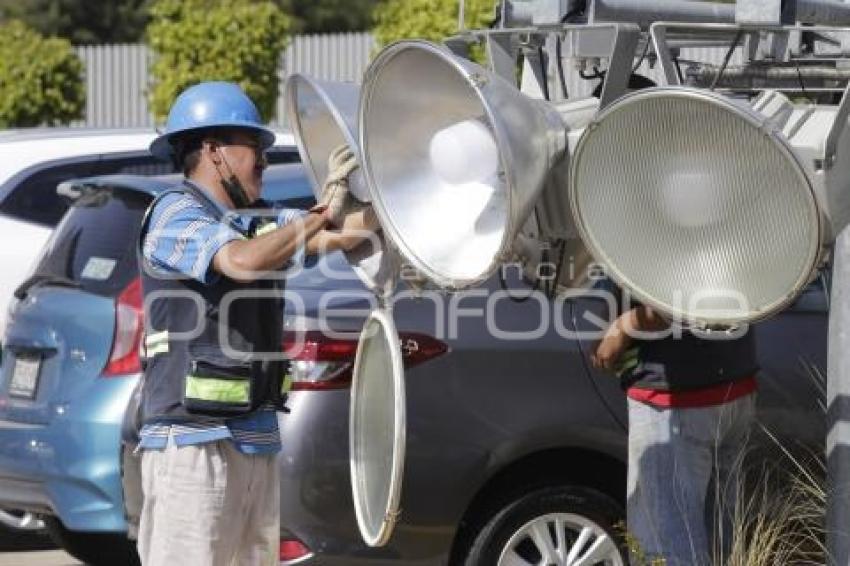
(464, 152)
(691, 199)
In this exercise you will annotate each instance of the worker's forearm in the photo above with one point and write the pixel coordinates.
(355, 229)
(246, 260)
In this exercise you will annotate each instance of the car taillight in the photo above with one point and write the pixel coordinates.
(318, 362)
(129, 326)
(293, 549)
(321, 363)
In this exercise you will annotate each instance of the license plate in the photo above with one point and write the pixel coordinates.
(24, 381)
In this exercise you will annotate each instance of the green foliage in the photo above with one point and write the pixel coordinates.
(427, 19)
(228, 40)
(81, 21)
(40, 79)
(329, 16)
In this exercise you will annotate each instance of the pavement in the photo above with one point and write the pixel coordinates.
(37, 558)
(31, 549)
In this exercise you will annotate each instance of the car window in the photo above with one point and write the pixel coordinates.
(34, 197)
(288, 187)
(301, 203)
(276, 156)
(141, 163)
(95, 243)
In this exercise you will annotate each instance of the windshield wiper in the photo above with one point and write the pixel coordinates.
(43, 279)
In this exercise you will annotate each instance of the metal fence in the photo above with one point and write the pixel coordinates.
(117, 80)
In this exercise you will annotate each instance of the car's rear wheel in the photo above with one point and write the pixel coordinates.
(554, 526)
(94, 549)
(21, 530)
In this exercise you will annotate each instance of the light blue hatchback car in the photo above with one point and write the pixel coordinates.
(72, 358)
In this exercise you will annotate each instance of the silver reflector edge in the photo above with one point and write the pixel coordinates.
(377, 429)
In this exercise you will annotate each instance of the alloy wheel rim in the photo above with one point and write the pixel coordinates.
(21, 520)
(561, 539)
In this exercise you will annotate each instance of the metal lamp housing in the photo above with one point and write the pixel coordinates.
(455, 159)
(323, 116)
(708, 210)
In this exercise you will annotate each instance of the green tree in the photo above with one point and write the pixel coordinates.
(229, 40)
(81, 21)
(328, 16)
(427, 19)
(41, 79)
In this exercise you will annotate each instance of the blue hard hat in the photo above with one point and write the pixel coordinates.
(210, 105)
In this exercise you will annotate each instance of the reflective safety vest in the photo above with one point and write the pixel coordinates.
(211, 350)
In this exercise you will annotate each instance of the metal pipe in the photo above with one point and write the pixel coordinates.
(823, 12)
(838, 408)
(646, 12)
(704, 74)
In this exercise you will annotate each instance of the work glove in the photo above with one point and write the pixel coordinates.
(335, 198)
(341, 162)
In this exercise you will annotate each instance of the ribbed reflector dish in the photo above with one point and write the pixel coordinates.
(377, 429)
(696, 206)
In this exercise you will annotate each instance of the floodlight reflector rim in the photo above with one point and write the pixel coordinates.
(293, 83)
(379, 326)
(476, 82)
(755, 120)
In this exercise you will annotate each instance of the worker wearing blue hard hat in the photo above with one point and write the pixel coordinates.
(215, 377)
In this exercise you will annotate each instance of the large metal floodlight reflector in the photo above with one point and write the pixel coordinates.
(454, 157)
(698, 204)
(323, 116)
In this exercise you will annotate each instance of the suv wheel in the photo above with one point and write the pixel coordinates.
(94, 549)
(553, 526)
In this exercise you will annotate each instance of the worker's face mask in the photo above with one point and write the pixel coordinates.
(234, 189)
(231, 183)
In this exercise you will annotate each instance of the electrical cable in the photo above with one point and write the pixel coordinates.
(679, 71)
(802, 84)
(545, 82)
(561, 244)
(642, 56)
(579, 9)
(726, 59)
(597, 74)
(561, 77)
